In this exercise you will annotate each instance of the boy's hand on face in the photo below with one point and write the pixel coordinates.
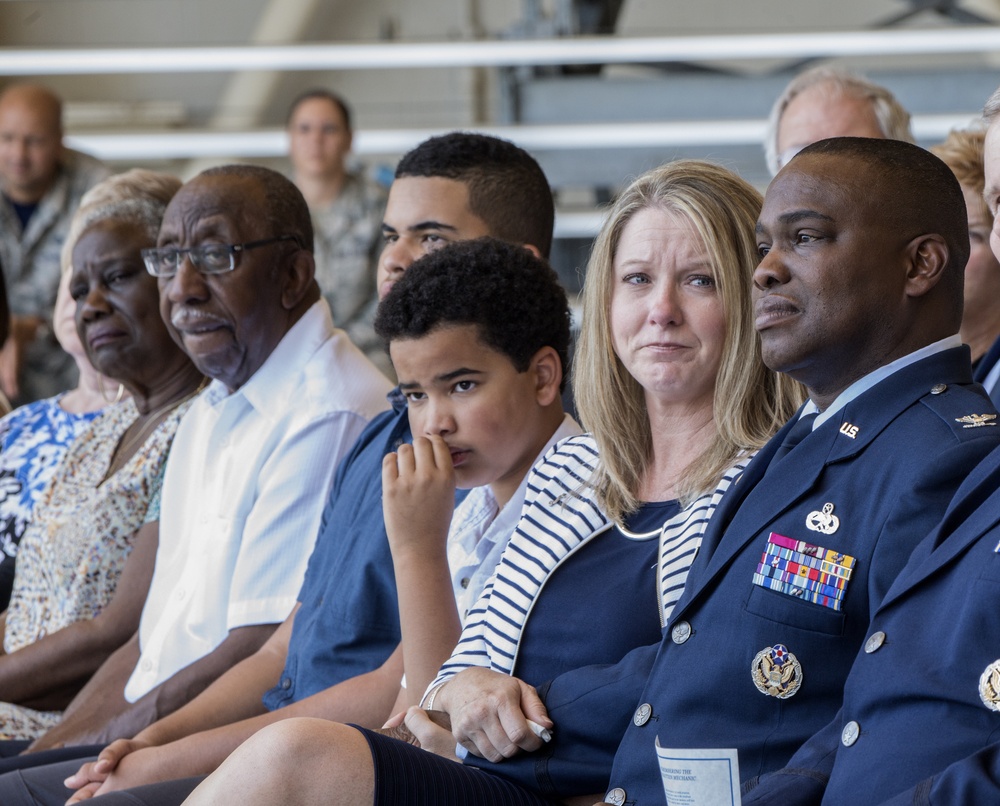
(418, 496)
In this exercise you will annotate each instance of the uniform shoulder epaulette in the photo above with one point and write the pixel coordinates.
(966, 412)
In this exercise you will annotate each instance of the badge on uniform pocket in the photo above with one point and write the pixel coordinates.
(804, 571)
(776, 672)
(989, 686)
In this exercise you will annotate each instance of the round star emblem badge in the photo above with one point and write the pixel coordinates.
(776, 672)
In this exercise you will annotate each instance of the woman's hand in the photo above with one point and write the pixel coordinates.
(490, 712)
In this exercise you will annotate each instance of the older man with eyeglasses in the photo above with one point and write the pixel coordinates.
(253, 459)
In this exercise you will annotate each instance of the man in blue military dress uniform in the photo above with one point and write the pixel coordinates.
(920, 721)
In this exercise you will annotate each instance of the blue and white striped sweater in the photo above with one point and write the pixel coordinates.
(560, 516)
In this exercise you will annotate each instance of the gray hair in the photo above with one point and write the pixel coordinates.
(137, 197)
(285, 210)
(992, 108)
(893, 119)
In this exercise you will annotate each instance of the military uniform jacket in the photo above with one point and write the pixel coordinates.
(30, 258)
(31, 265)
(347, 240)
(887, 465)
(919, 722)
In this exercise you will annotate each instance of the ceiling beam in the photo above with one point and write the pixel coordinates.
(575, 50)
(622, 134)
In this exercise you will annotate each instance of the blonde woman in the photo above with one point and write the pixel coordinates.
(670, 383)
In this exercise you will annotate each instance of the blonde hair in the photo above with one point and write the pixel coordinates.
(138, 196)
(962, 151)
(750, 402)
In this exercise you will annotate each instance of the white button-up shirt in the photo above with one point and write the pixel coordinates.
(244, 489)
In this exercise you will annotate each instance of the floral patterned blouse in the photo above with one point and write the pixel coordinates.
(74, 550)
(33, 440)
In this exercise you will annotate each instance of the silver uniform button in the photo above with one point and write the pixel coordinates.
(874, 642)
(850, 733)
(681, 632)
(616, 797)
(642, 715)
(938, 388)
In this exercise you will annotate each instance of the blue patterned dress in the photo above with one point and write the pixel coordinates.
(33, 441)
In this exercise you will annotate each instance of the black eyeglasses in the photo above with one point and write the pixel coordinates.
(210, 258)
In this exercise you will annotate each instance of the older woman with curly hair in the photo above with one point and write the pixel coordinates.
(35, 437)
(86, 559)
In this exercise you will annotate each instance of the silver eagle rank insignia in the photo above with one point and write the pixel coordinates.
(976, 420)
